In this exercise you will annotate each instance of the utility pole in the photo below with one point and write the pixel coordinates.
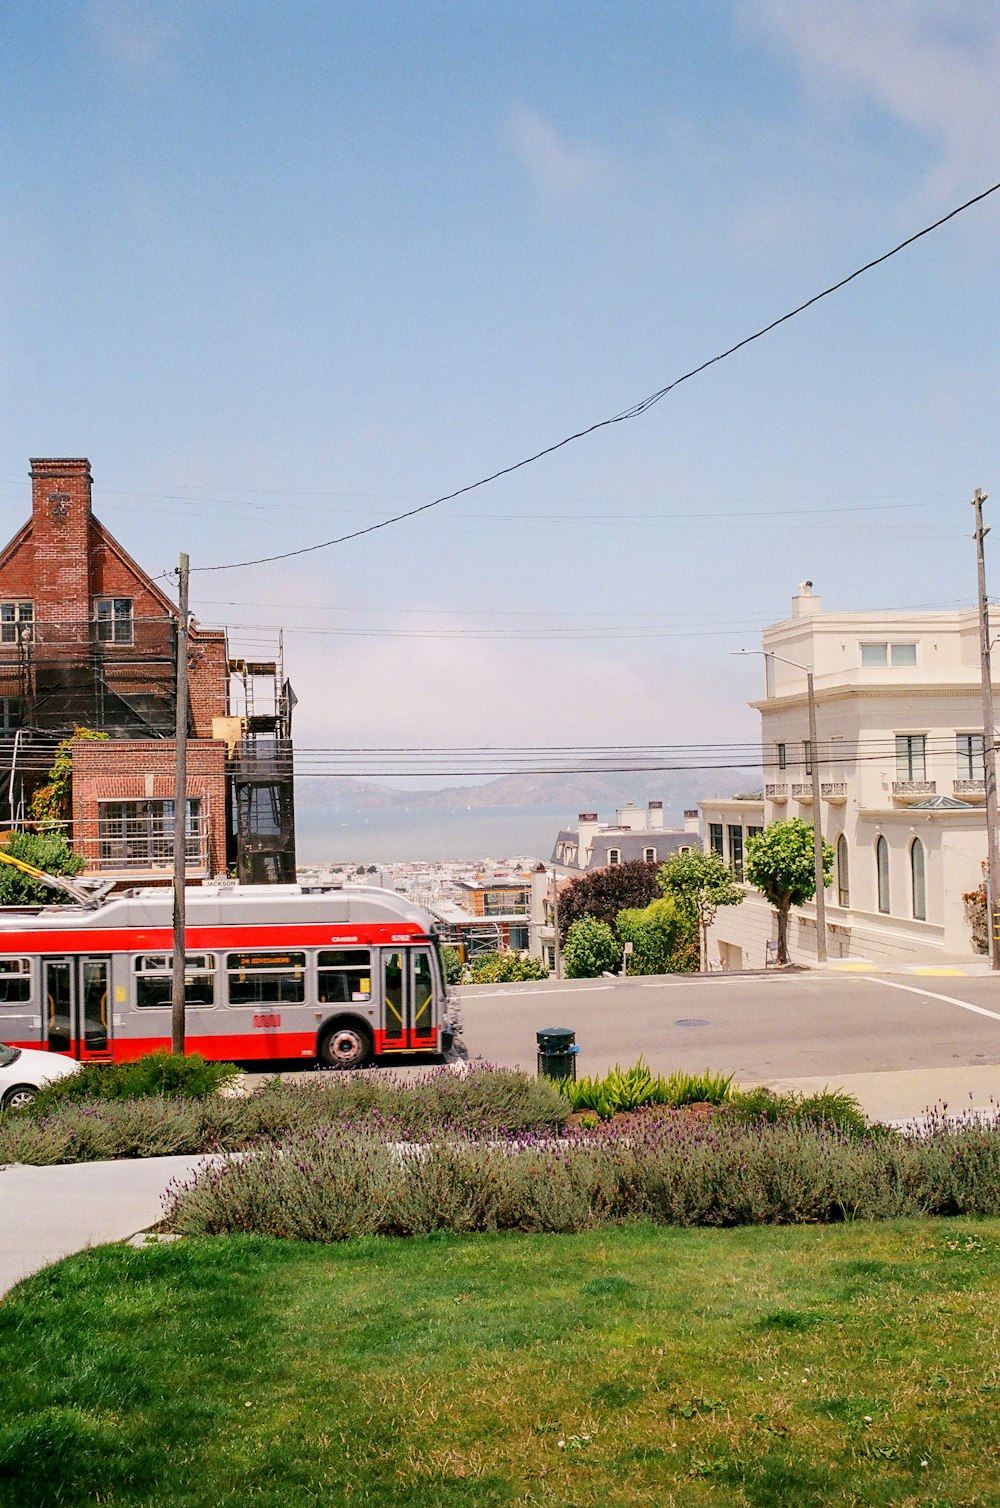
(817, 825)
(177, 1014)
(989, 739)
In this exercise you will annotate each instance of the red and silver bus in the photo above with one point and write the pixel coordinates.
(271, 972)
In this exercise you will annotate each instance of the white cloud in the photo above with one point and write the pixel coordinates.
(559, 168)
(931, 66)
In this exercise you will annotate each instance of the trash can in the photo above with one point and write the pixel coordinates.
(557, 1052)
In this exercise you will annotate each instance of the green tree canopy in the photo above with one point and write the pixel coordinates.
(700, 883)
(48, 851)
(664, 941)
(591, 947)
(781, 863)
(602, 893)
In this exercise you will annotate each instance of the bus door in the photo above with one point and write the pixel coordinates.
(408, 990)
(77, 1002)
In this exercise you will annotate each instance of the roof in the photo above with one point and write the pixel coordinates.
(941, 803)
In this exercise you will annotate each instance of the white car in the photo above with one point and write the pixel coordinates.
(23, 1071)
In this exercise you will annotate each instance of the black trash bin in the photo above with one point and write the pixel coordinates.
(557, 1052)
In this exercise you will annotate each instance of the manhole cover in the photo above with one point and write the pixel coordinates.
(692, 1021)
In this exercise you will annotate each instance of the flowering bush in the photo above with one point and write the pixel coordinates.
(330, 1183)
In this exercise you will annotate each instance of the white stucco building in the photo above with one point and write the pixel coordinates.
(900, 750)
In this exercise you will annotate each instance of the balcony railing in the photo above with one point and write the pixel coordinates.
(802, 790)
(913, 790)
(776, 792)
(834, 790)
(969, 790)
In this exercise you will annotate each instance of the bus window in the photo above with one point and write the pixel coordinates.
(344, 975)
(15, 980)
(154, 980)
(266, 978)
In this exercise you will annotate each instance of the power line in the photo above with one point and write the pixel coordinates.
(633, 412)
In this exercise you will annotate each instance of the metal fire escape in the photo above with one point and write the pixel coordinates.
(263, 803)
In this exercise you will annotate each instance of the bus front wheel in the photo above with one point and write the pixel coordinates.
(346, 1044)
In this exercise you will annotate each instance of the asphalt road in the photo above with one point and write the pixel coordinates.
(773, 1027)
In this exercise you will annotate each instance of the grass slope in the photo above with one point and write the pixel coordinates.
(763, 1366)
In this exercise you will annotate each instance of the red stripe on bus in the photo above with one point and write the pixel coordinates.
(259, 1046)
(89, 940)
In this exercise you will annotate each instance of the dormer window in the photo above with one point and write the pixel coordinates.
(113, 616)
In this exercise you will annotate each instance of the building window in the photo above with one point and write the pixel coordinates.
(969, 756)
(13, 617)
(517, 939)
(11, 713)
(141, 833)
(917, 881)
(715, 839)
(754, 832)
(807, 755)
(736, 851)
(882, 874)
(782, 757)
(649, 854)
(843, 873)
(113, 616)
(614, 855)
(889, 654)
(911, 758)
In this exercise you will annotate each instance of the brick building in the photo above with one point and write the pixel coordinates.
(88, 640)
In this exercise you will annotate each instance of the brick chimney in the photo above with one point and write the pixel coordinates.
(60, 533)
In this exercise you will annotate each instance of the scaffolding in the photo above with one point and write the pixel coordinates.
(56, 676)
(263, 800)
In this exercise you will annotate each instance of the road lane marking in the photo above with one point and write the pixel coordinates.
(911, 989)
(586, 989)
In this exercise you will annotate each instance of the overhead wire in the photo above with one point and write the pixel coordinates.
(634, 410)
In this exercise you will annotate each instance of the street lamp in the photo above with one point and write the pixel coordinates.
(814, 762)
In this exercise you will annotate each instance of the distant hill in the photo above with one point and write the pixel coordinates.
(602, 793)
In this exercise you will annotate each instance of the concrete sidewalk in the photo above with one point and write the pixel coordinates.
(48, 1213)
(903, 1095)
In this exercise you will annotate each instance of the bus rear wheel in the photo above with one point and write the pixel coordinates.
(346, 1044)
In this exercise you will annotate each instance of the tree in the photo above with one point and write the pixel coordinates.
(47, 851)
(590, 949)
(700, 883)
(781, 863)
(53, 801)
(602, 893)
(661, 938)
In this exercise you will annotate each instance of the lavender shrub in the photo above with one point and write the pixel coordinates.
(328, 1184)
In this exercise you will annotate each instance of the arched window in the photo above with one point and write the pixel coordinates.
(917, 881)
(882, 871)
(843, 873)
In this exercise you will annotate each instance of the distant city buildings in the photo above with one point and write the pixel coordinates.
(902, 791)
(636, 833)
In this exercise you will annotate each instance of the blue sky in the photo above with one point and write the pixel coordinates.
(283, 270)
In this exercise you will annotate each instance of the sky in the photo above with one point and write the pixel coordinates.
(283, 271)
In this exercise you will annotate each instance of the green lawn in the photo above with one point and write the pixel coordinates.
(781, 1366)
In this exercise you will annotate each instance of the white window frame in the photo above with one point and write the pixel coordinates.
(16, 614)
(614, 856)
(114, 626)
